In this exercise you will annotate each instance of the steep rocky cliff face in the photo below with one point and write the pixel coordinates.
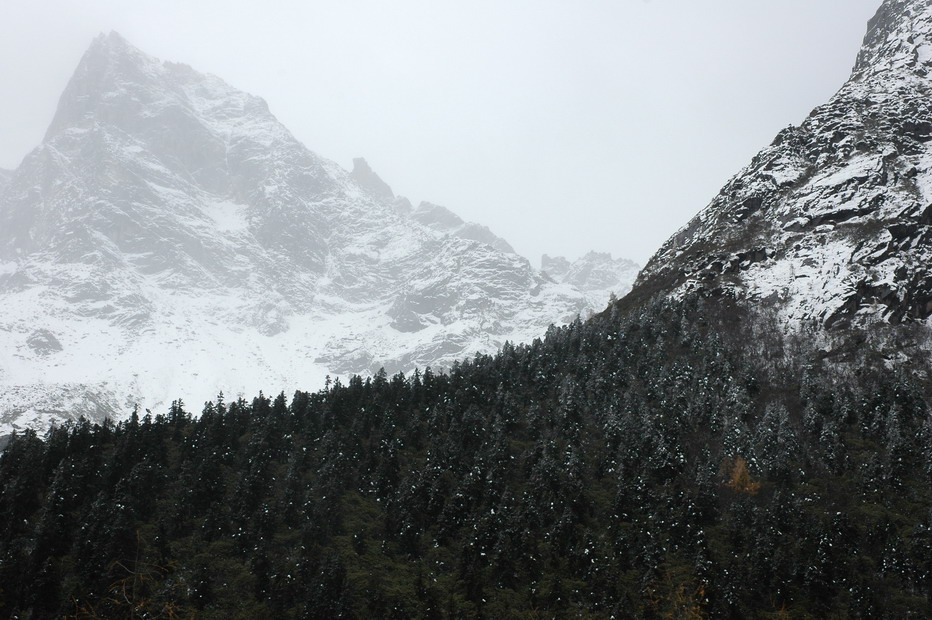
(831, 222)
(170, 238)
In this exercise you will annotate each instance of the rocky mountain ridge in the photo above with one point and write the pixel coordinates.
(170, 238)
(831, 222)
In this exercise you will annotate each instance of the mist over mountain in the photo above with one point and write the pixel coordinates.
(368, 180)
(746, 434)
(595, 273)
(172, 238)
(443, 220)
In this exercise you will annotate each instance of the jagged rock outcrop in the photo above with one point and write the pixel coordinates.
(402, 206)
(170, 238)
(443, 220)
(367, 179)
(831, 222)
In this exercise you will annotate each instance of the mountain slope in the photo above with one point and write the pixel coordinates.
(688, 459)
(169, 228)
(831, 221)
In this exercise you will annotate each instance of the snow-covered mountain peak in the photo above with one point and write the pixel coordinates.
(110, 72)
(171, 238)
(118, 87)
(898, 43)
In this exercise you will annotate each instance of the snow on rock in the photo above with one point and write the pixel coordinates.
(443, 220)
(831, 222)
(368, 180)
(171, 239)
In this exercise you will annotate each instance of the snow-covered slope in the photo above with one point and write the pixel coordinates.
(596, 274)
(831, 222)
(170, 238)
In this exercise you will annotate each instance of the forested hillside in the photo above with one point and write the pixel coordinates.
(681, 462)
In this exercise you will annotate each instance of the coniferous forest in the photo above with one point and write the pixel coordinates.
(684, 461)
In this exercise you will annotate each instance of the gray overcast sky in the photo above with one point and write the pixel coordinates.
(565, 126)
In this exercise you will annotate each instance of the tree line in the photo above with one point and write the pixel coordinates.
(684, 461)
